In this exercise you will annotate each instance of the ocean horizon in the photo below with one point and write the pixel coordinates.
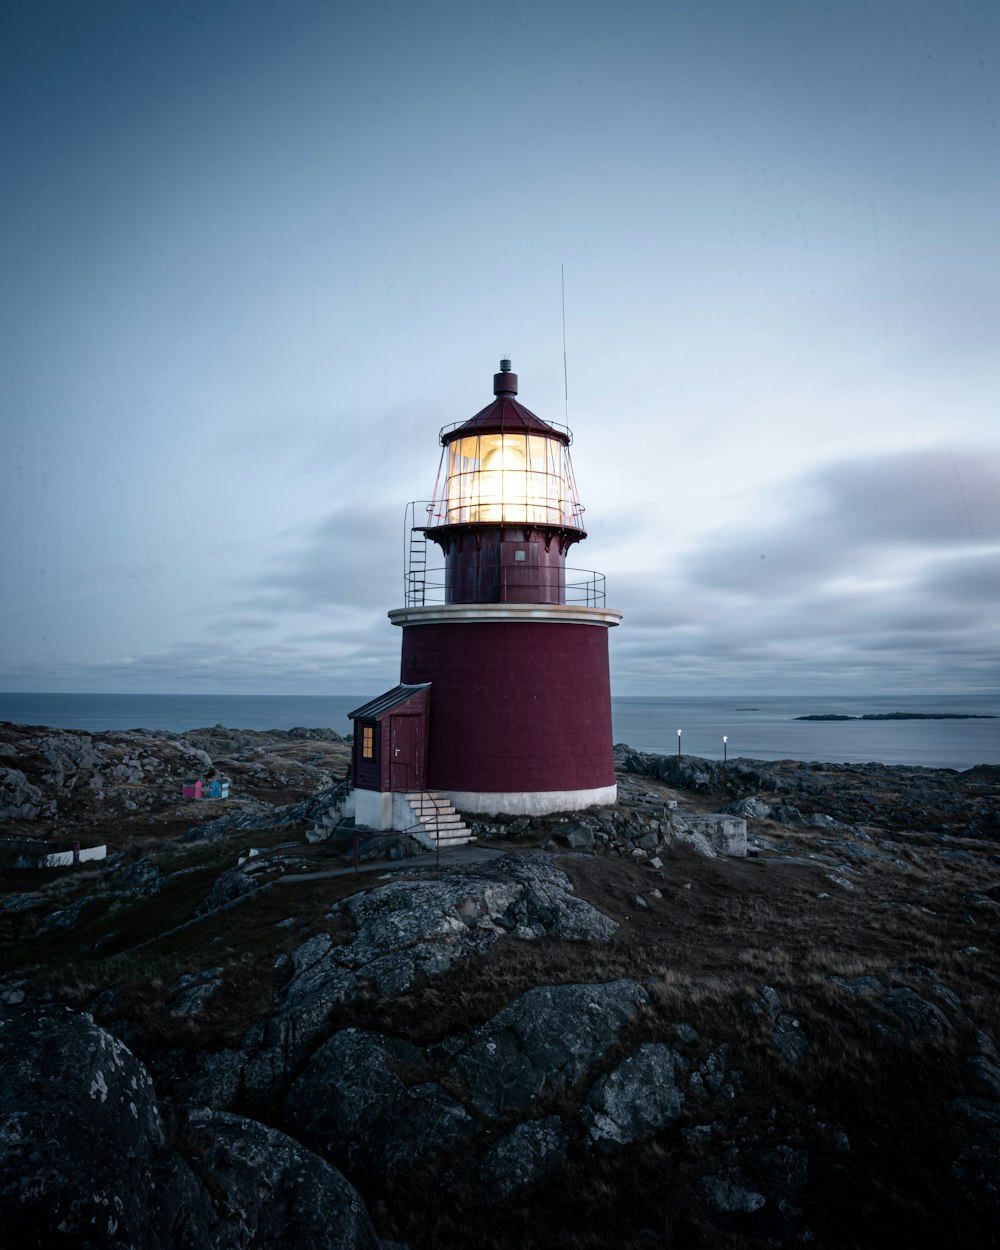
(758, 727)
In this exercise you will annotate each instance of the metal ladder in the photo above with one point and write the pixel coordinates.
(416, 568)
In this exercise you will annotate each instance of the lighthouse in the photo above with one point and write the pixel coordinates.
(503, 704)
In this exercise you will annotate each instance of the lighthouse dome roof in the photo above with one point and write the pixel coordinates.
(505, 415)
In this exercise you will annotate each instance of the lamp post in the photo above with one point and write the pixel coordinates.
(725, 749)
(679, 732)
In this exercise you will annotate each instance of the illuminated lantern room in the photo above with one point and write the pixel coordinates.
(505, 510)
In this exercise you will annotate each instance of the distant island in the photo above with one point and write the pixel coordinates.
(901, 716)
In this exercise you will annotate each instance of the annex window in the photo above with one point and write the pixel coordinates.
(368, 742)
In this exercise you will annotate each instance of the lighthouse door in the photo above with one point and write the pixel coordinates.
(405, 764)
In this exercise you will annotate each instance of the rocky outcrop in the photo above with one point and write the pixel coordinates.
(81, 1140)
(127, 776)
(266, 1190)
(88, 1161)
(642, 826)
(19, 799)
(889, 796)
(354, 1105)
(393, 1035)
(530, 1153)
(636, 1100)
(410, 930)
(542, 1044)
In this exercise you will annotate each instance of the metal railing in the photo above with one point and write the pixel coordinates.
(423, 586)
(422, 824)
(426, 587)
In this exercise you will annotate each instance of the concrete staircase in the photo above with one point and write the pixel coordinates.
(435, 821)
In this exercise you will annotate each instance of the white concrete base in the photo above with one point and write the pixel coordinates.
(532, 803)
(378, 810)
(373, 808)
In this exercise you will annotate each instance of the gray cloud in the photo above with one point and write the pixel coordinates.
(973, 577)
(844, 518)
(877, 575)
(342, 562)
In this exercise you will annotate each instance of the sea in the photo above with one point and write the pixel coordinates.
(758, 727)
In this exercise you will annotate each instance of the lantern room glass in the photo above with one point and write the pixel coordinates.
(505, 478)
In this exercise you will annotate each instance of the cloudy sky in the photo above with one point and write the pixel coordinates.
(255, 254)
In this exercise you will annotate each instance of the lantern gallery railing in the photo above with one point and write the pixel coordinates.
(425, 587)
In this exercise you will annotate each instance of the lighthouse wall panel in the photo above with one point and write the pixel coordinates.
(516, 706)
(503, 565)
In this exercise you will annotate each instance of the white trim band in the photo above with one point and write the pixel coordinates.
(533, 802)
(490, 613)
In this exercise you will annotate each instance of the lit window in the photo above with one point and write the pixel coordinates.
(368, 742)
(509, 477)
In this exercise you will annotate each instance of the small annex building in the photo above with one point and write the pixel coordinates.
(390, 752)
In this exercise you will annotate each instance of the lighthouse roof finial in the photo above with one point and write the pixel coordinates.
(505, 382)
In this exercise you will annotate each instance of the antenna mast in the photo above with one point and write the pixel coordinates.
(562, 275)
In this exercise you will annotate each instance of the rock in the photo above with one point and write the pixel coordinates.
(636, 1100)
(985, 1075)
(528, 1154)
(203, 1078)
(784, 1168)
(351, 1104)
(80, 1133)
(65, 918)
(750, 809)
(354, 1104)
(727, 835)
(819, 820)
(194, 990)
(85, 1160)
(408, 930)
(83, 779)
(730, 1192)
(686, 1034)
(919, 1018)
(977, 1167)
(866, 986)
(692, 838)
(251, 815)
(19, 799)
(270, 1190)
(576, 836)
(543, 1043)
(686, 772)
(142, 877)
(786, 1032)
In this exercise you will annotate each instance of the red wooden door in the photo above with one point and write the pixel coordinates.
(405, 772)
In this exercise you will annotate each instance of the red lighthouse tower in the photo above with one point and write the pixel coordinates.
(504, 702)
